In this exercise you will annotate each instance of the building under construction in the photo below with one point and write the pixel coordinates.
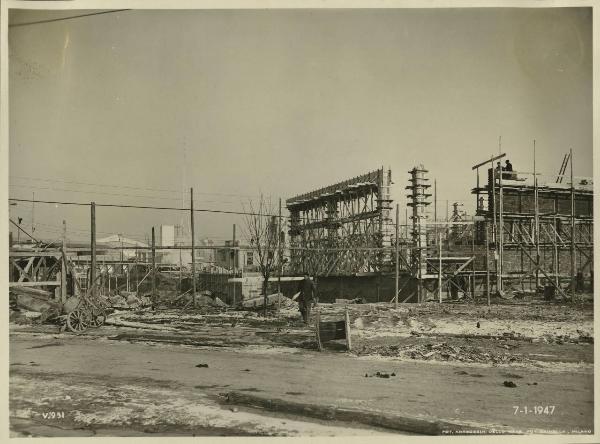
(539, 228)
(343, 229)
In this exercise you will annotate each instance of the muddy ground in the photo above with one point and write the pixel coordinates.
(143, 373)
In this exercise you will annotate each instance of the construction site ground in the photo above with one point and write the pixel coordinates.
(216, 371)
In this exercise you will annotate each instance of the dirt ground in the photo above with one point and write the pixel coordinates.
(167, 372)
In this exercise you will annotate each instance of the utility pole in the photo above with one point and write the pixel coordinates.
(193, 246)
(63, 265)
(153, 269)
(397, 255)
(92, 282)
(440, 267)
(234, 266)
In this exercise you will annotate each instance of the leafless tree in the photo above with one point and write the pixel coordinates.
(263, 231)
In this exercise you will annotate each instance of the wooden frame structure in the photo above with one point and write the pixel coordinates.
(343, 229)
(542, 231)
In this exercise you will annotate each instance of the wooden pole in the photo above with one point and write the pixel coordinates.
(397, 255)
(63, 265)
(556, 267)
(500, 227)
(473, 264)
(487, 263)
(494, 206)
(536, 220)
(477, 194)
(440, 267)
(572, 230)
(235, 253)
(193, 245)
(435, 200)
(153, 269)
(93, 251)
(279, 258)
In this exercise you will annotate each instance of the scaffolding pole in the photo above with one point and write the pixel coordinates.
(536, 219)
(440, 267)
(572, 229)
(487, 262)
(193, 245)
(397, 255)
(92, 282)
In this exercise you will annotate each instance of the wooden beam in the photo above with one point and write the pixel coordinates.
(25, 271)
(488, 161)
(33, 284)
(34, 254)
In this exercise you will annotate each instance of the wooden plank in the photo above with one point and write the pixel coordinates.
(33, 284)
(34, 254)
(488, 161)
(317, 322)
(347, 321)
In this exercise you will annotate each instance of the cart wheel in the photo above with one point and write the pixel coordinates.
(97, 318)
(78, 320)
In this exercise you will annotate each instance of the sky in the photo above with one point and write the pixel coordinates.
(134, 107)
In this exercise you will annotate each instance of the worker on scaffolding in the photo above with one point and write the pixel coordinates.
(509, 169)
(307, 298)
(498, 172)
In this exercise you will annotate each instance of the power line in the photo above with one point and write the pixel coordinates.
(144, 207)
(39, 22)
(113, 194)
(165, 190)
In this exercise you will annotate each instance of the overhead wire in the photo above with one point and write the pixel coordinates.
(164, 190)
(70, 17)
(145, 207)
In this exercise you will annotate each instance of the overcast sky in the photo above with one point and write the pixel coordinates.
(114, 107)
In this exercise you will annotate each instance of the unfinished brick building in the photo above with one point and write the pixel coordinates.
(540, 229)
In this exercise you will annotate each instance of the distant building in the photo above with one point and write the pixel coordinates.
(176, 236)
(243, 259)
(127, 252)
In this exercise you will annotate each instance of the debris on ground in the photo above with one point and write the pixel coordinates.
(273, 300)
(509, 384)
(442, 352)
(31, 305)
(380, 375)
(202, 365)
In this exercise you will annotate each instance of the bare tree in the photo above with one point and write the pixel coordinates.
(263, 231)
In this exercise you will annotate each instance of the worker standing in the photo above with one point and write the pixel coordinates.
(509, 168)
(307, 298)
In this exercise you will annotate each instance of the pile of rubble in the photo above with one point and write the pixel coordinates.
(127, 300)
(32, 305)
(442, 352)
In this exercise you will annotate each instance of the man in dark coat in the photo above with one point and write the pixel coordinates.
(307, 298)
